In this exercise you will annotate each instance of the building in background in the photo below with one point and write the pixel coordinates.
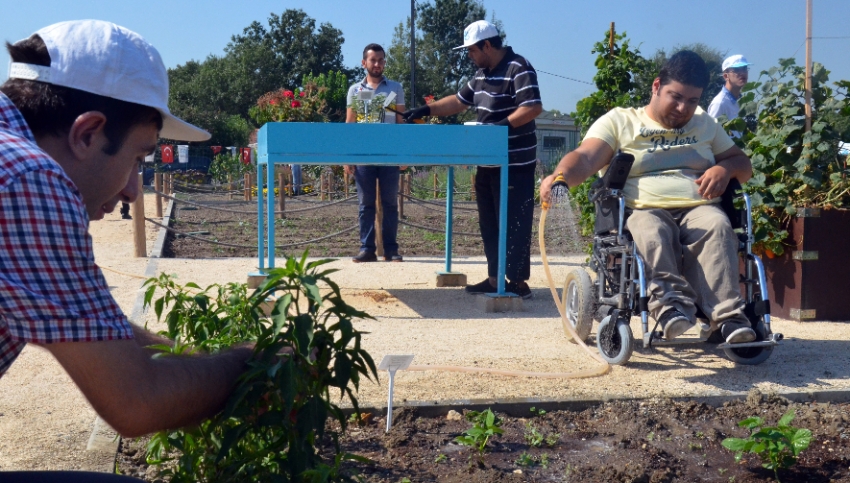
(557, 135)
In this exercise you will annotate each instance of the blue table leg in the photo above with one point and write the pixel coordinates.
(450, 178)
(503, 228)
(270, 207)
(260, 246)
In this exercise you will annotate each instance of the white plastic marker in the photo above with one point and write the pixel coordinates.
(391, 364)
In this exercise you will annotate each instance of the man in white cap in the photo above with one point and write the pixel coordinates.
(84, 104)
(736, 73)
(503, 91)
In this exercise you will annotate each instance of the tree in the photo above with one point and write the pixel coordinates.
(440, 70)
(260, 60)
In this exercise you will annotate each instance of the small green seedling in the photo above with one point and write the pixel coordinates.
(485, 425)
(778, 446)
(525, 459)
(440, 458)
(539, 412)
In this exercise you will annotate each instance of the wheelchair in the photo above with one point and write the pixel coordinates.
(619, 291)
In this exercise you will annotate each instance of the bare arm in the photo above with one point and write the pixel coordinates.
(447, 106)
(398, 118)
(579, 164)
(139, 395)
(525, 114)
(732, 163)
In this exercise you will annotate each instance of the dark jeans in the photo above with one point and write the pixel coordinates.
(296, 179)
(63, 477)
(365, 177)
(520, 219)
(125, 209)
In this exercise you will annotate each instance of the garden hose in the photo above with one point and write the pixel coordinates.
(603, 367)
(560, 182)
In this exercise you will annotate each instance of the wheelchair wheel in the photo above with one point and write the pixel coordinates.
(751, 356)
(578, 302)
(615, 341)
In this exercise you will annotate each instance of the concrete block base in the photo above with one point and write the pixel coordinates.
(451, 279)
(255, 279)
(500, 303)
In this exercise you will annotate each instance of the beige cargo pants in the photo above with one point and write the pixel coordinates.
(691, 258)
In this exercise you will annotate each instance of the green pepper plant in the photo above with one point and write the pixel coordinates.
(273, 426)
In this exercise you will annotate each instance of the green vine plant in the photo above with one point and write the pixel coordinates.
(777, 446)
(792, 168)
(273, 426)
(485, 425)
(226, 165)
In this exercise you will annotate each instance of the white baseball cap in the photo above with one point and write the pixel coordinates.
(734, 61)
(476, 32)
(108, 60)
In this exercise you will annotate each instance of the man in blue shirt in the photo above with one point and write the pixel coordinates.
(365, 104)
(735, 73)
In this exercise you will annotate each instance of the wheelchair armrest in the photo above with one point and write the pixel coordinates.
(727, 203)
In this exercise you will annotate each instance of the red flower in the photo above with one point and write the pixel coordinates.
(296, 104)
(429, 99)
(288, 94)
(302, 94)
(273, 102)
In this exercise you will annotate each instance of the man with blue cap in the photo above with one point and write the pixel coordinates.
(736, 73)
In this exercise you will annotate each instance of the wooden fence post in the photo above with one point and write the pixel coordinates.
(435, 183)
(139, 223)
(282, 201)
(345, 182)
(157, 185)
(379, 221)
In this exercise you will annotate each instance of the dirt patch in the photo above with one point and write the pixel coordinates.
(626, 441)
(234, 222)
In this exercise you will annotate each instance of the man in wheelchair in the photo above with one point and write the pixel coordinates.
(683, 161)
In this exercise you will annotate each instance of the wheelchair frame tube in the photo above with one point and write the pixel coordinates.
(644, 315)
(621, 239)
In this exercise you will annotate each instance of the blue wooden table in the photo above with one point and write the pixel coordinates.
(383, 145)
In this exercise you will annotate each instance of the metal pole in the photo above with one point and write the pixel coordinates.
(379, 220)
(503, 227)
(808, 65)
(400, 196)
(270, 208)
(412, 54)
(449, 216)
(611, 41)
(260, 219)
(390, 402)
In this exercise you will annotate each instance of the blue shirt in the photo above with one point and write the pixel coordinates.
(724, 103)
(372, 110)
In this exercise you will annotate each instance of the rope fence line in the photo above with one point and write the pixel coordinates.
(427, 228)
(232, 245)
(431, 189)
(243, 212)
(455, 205)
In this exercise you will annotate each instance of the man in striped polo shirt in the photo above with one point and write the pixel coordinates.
(503, 91)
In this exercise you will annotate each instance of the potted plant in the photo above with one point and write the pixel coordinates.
(800, 188)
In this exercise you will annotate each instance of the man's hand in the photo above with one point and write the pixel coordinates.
(546, 188)
(349, 169)
(417, 113)
(713, 182)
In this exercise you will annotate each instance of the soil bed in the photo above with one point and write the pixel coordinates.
(298, 226)
(633, 441)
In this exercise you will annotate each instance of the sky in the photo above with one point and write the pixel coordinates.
(556, 36)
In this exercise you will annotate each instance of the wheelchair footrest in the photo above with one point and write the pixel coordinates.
(658, 340)
(773, 339)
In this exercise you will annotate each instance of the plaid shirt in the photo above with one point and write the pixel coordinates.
(51, 290)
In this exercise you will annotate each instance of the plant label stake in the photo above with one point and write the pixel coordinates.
(391, 364)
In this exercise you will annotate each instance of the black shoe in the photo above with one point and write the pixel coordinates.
(736, 332)
(393, 257)
(364, 257)
(482, 287)
(674, 323)
(126, 217)
(519, 288)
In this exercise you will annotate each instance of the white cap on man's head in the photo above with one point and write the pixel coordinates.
(108, 60)
(476, 32)
(734, 61)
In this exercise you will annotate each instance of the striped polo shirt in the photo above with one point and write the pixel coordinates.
(497, 92)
